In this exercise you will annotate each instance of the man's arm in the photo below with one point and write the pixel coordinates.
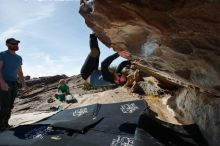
(68, 90)
(122, 65)
(107, 75)
(3, 85)
(21, 77)
(1, 66)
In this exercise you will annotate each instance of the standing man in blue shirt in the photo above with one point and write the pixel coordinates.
(10, 70)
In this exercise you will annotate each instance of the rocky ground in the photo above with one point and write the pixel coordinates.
(40, 96)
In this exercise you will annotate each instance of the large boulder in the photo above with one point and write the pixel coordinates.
(178, 42)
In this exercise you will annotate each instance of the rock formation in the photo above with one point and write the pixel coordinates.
(178, 42)
(45, 80)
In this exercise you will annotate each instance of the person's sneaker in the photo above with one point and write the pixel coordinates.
(53, 108)
(50, 100)
(87, 7)
(90, 5)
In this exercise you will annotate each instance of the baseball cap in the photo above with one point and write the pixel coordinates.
(12, 40)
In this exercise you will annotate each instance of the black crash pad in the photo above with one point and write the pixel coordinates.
(61, 140)
(106, 139)
(80, 124)
(27, 134)
(72, 114)
(154, 132)
(102, 124)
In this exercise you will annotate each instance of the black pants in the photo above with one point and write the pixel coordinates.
(7, 99)
(92, 61)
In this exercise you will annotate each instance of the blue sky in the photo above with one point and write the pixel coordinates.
(53, 35)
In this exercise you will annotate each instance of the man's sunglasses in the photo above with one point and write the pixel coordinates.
(119, 75)
(14, 43)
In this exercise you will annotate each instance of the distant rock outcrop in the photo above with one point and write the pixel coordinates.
(178, 42)
(45, 80)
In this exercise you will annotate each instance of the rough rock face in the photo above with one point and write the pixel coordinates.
(178, 39)
(178, 42)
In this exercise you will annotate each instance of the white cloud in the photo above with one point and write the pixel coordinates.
(43, 64)
(9, 32)
(57, 0)
(39, 12)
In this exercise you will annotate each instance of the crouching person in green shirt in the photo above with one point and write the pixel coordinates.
(62, 90)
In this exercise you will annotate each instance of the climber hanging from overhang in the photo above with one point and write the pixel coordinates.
(103, 77)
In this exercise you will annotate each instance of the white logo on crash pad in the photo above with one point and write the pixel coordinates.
(80, 112)
(122, 141)
(38, 133)
(129, 108)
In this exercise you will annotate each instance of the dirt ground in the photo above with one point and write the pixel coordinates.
(35, 99)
